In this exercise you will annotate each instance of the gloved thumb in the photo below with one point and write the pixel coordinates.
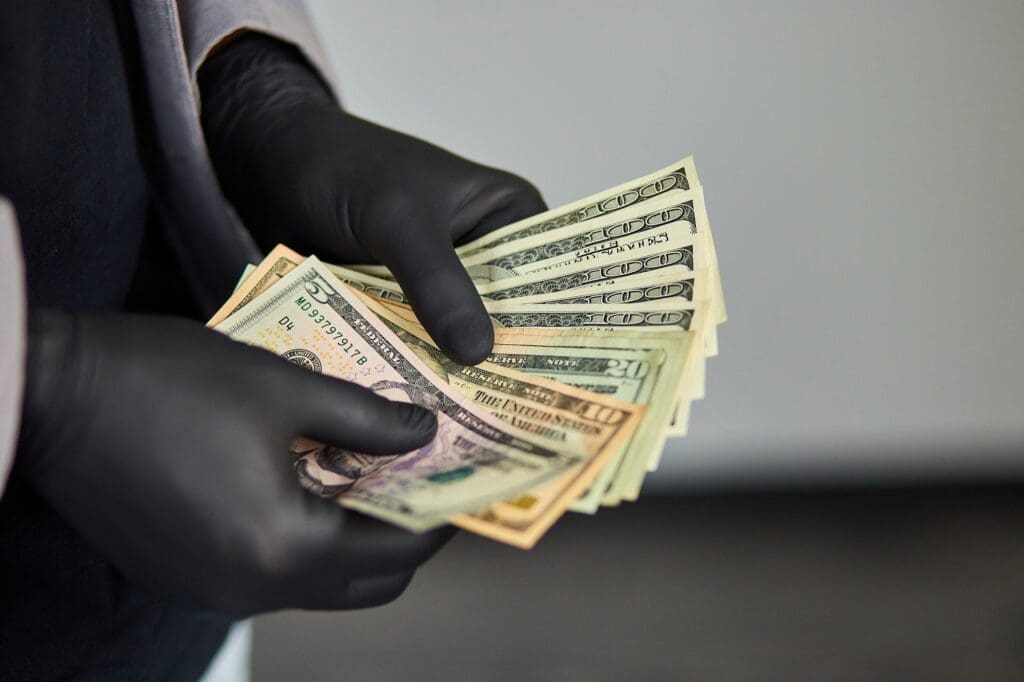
(442, 295)
(349, 416)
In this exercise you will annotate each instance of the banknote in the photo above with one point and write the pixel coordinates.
(681, 175)
(683, 211)
(585, 421)
(633, 261)
(605, 216)
(535, 404)
(257, 280)
(660, 317)
(314, 320)
(509, 313)
(605, 267)
(656, 316)
(626, 483)
(584, 319)
(677, 284)
(642, 368)
(677, 290)
(678, 385)
(665, 184)
(629, 195)
(525, 518)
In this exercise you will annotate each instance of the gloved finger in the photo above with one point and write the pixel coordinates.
(355, 593)
(311, 553)
(363, 593)
(345, 415)
(442, 294)
(385, 548)
(347, 544)
(498, 203)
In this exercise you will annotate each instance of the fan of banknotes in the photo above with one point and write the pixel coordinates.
(604, 309)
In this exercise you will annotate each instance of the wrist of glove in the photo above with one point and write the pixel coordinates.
(166, 445)
(301, 170)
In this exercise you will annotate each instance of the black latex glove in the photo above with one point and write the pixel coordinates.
(300, 170)
(166, 445)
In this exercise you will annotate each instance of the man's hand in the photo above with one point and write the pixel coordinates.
(302, 171)
(166, 445)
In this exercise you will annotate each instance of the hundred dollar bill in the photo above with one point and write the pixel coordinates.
(677, 284)
(614, 268)
(603, 216)
(658, 316)
(681, 175)
(682, 211)
(312, 319)
(605, 267)
(569, 247)
(667, 185)
(532, 403)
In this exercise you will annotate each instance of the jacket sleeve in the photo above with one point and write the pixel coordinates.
(12, 337)
(205, 23)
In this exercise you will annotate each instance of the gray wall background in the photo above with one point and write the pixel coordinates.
(862, 164)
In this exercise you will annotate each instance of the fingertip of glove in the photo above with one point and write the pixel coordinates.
(419, 422)
(469, 339)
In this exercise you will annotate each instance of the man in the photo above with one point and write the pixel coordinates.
(151, 498)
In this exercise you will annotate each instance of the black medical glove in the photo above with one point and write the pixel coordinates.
(166, 445)
(302, 171)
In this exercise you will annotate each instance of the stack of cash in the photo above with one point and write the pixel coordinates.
(605, 310)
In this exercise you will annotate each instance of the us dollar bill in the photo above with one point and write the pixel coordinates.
(584, 421)
(311, 318)
(678, 284)
(257, 280)
(692, 386)
(582, 316)
(657, 303)
(681, 175)
(683, 211)
(548, 236)
(373, 285)
(663, 291)
(689, 386)
(671, 288)
(604, 268)
(640, 368)
(532, 403)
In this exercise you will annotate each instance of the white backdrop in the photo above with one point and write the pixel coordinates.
(862, 164)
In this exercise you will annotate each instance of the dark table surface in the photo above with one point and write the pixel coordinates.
(869, 584)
